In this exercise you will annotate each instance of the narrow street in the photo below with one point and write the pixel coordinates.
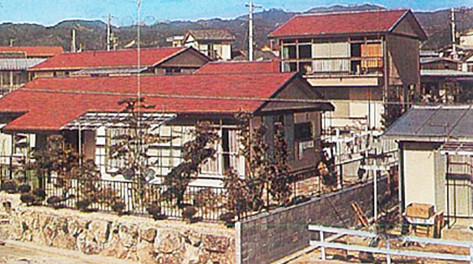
(14, 252)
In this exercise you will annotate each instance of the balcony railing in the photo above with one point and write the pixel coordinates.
(353, 66)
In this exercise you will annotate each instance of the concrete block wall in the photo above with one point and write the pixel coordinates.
(270, 236)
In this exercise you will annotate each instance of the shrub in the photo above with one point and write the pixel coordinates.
(24, 188)
(27, 198)
(39, 194)
(188, 213)
(83, 204)
(9, 187)
(119, 207)
(54, 201)
(228, 218)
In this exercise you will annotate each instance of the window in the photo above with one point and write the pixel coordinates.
(305, 51)
(305, 67)
(289, 67)
(173, 71)
(289, 52)
(303, 131)
(355, 49)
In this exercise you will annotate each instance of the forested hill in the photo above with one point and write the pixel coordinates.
(91, 34)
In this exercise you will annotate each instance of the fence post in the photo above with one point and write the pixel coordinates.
(388, 257)
(322, 248)
(471, 253)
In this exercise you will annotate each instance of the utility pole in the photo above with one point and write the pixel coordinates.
(109, 30)
(73, 41)
(454, 37)
(252, 6)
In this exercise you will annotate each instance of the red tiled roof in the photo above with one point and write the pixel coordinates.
(239, 67)
(339, 23)
(49, 104)
(33, 51)
(107, 59)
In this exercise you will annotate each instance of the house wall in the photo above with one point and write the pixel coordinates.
(43, 74)
(88, 145)
(424, 174)
(187, 59)
(403, 55)
(5, 149)
(307, 152)
(168, 154)
(354, 113)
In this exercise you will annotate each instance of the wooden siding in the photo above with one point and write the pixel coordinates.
(404, 67)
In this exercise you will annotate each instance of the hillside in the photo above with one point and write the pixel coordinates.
(91, 34)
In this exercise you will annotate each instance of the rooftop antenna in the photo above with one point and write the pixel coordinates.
(252, 6)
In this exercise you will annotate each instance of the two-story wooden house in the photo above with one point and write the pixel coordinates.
(215, 43)
(359, 60)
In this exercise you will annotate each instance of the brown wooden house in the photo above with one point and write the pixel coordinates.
(359, 60)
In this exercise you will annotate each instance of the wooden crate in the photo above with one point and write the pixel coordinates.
(419, 210)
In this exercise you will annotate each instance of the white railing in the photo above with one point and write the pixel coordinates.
(387, 250)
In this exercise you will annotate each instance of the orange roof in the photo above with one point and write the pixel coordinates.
(33, 51)
(239, 67)
(49, 104)
(379, 21)
(107, 59)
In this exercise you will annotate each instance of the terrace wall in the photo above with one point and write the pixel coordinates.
(125, 237)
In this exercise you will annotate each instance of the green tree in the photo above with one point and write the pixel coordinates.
(195, 153)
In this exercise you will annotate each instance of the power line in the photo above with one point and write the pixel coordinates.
(208, 97)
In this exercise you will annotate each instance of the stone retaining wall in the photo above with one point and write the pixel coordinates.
(125, 237)
(270, 236)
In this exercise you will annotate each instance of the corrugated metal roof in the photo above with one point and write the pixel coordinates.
(18, 64)
(109, 71)
(445, 73)
(436, 59)
(438, 123)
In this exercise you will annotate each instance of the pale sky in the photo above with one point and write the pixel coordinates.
(50, 12)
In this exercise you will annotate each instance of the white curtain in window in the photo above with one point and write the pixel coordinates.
(339, 50)
(333, 65)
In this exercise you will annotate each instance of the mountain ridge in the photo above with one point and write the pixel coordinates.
(91, 34)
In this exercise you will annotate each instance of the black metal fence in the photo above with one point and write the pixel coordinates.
(207, 200)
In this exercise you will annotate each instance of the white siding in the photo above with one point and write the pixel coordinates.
(419, 176)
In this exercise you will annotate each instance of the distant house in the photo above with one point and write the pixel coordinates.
(215, 43)
(439, 63)
(436, 150)
(87, 106)
(357, 59)
(446, 85)
(239, 67)
(159, 61)
(44, 52)
(15, 60)
(176, 41)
